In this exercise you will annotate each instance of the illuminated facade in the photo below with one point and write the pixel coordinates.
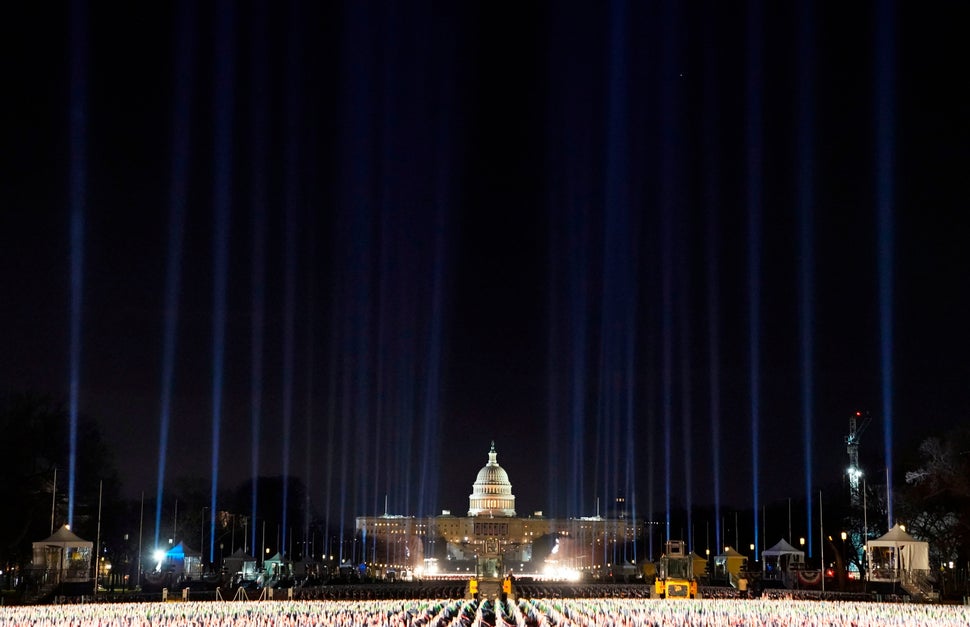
(492, 491)
(492, 539)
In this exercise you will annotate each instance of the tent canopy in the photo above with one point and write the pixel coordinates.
(181, 551)
(730, 552)
(781, 558)
(698, 564)
(240, 554)
(64, 537)
(65, 554)
(730, 561)
(782, 548)
(898, 551)
(896, 534)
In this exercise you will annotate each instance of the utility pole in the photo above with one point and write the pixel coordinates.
(97, 543)
(53, 499)
(141, 525)
(821, 539)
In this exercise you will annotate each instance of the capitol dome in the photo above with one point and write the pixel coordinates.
(492, 492)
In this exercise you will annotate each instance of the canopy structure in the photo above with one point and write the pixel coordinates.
(182, 560)
(64, 556)
(895, 554)
(780, 559)
(241, 563)
(730, 561)
(277, 566)
(698, 565)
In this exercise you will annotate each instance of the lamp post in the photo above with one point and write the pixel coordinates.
(845, 562)
(202, 539)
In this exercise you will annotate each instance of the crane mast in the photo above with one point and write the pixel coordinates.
(857, 424)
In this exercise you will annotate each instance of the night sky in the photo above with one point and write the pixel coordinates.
(563, 227)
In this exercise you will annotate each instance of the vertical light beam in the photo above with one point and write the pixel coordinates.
(291, 160)
(668, 209)
(257, 179)
(77, 183)
(311, 280)
(222, 198)
(885, 130)
(431, 409)
(685, 380)
(712, 190)
(806, 241)
(178, 192)
(618, 336)
(754, 176)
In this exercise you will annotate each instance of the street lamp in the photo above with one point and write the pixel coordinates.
(202, 538)
(845, 555)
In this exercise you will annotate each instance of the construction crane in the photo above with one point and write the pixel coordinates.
(857, 424)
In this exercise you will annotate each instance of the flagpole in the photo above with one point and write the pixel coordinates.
(821, 538)
(865, 529)
(97, 544)
(141, 524)
(53, 499)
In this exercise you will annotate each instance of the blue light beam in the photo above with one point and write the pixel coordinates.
(77, 184)
(806, 243)
(712, 191)
(257, 179)
(178, 192)
(291, 199)
(755, 172)
(669, 190)
(222, 198)
(885, 198)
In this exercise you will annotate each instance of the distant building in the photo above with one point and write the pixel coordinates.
(492, 540)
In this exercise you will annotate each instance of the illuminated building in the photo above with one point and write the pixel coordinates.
(491, 539)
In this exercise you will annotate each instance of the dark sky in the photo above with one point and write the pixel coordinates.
(484, 222)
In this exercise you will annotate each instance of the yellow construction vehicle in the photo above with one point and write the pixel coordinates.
(675, 574)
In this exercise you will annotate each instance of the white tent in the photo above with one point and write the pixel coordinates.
(781, 558)
(896, 553)
(64, 556)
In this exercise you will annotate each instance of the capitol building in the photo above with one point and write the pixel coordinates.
(491, 539)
